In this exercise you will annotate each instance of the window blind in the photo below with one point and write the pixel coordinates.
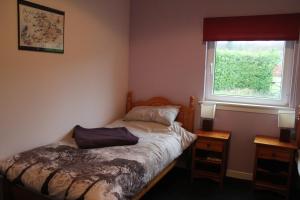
(248, 28)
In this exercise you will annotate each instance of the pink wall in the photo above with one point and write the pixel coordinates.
(167, 58)
(44, 95)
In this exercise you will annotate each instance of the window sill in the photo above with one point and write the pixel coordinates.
(252, 108)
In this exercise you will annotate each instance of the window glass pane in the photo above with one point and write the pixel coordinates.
(249, 69)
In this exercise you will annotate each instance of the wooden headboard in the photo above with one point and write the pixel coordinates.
(186, 114)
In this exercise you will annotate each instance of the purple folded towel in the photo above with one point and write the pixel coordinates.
(103, 137)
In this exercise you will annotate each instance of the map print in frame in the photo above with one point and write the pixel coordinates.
(40, 28)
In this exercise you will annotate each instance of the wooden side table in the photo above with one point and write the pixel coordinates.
(273, 164)
(210, 154)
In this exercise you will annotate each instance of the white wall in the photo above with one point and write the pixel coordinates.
(44, 95)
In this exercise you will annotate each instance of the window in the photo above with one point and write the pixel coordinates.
(251, 72)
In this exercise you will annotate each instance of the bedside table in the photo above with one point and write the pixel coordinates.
(210, 154)
(273, 164)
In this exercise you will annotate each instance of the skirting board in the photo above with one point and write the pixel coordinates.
(239, 175)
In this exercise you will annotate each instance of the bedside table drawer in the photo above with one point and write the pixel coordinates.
(274, 154)
(210, 145)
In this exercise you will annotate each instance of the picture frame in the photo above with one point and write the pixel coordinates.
(40, 28)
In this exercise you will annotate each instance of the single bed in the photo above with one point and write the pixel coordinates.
(63, 171)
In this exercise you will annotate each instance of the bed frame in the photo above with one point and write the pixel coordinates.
(186, 116)
(9, 191)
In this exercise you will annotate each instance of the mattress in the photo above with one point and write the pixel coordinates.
(63, 171)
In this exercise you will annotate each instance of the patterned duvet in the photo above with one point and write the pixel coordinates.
(63, 171)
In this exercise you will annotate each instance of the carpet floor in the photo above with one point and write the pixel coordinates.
(177, 186)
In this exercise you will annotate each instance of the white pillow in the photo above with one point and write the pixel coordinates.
(149, 127)
(186, 138)
(161, 114)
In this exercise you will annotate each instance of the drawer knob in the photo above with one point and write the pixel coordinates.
(208, 145)
(273, 154)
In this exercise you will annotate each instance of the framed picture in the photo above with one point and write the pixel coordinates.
(40, 28)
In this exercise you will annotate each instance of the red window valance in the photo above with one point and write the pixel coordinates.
(260, 27)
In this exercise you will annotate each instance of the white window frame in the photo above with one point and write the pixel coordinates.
(287, 81)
